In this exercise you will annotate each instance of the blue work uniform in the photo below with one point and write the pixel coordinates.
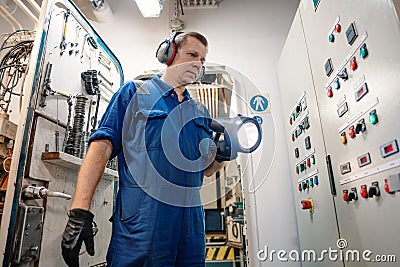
(162, 146)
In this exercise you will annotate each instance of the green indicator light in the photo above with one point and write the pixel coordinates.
(373, 119)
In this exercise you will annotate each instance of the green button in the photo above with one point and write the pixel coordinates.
(373, 119)
(363, 51)
(331, 38)
(311, 182)
(312, 159)
(336, 84)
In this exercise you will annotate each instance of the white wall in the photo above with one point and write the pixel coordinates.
(247, 36)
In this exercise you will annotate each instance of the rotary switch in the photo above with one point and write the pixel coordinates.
(374, 190)
(343, 75)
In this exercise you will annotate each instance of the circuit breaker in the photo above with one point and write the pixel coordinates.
(341, 57)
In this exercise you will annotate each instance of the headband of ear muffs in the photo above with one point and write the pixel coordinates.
(167, 49)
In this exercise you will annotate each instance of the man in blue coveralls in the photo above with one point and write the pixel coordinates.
(162, 138)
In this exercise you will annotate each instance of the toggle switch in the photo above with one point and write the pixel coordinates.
(353, 64)
(363, 191)
(343, 75)
(361, 127)
(374, 190)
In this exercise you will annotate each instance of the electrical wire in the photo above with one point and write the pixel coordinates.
(13, 67)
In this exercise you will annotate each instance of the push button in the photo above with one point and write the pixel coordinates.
(308, 162)
(343, 138)
(311, 182)
(363, 51)
(296, 152)
(336, 84)
(353, 64)
(363, 191)
(352, 133)
(306, 204)
(299, 187)
(338, 28)
(316, 181)
(373, 118)
(329, 92)
(331, 38)
(345, 195)
(313, 159)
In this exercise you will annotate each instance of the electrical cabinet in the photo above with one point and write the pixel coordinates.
(341, 57)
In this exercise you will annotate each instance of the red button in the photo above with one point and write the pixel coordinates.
(306, 204)
(338, 28)
(290, 121)
(352, 133)
(345, 195)
(353, 63)
(299, 187)
(308, 162)
(364, 192)
(293, 137)
(297, 170)
(329, 92)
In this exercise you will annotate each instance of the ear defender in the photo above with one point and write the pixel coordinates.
(166, 51)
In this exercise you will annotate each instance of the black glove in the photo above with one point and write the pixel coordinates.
(80, 228)
(224, 151)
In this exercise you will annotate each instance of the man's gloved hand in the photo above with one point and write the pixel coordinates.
(80, 228)
(224, 151)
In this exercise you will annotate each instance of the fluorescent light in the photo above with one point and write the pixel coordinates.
(149, 8)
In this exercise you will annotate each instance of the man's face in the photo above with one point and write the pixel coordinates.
(189, 60)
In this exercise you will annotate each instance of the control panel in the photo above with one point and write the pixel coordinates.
(351, 85)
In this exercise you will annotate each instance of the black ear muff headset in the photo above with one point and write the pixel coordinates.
(166, 51)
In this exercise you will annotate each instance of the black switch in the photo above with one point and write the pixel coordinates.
(296, 152)
(307, 142)
(374, 190)
(343, 75)
(361, 127)
(306, 124)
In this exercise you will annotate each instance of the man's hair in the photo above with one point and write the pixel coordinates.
(182, 38)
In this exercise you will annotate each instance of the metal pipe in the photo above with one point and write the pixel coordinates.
(12, 17)
(26, 10)
(34, 5)
(9, 22)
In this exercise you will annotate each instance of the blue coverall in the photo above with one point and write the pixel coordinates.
(162, 145)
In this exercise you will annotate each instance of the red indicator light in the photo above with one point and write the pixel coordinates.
(363, 160)
(389, 148)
